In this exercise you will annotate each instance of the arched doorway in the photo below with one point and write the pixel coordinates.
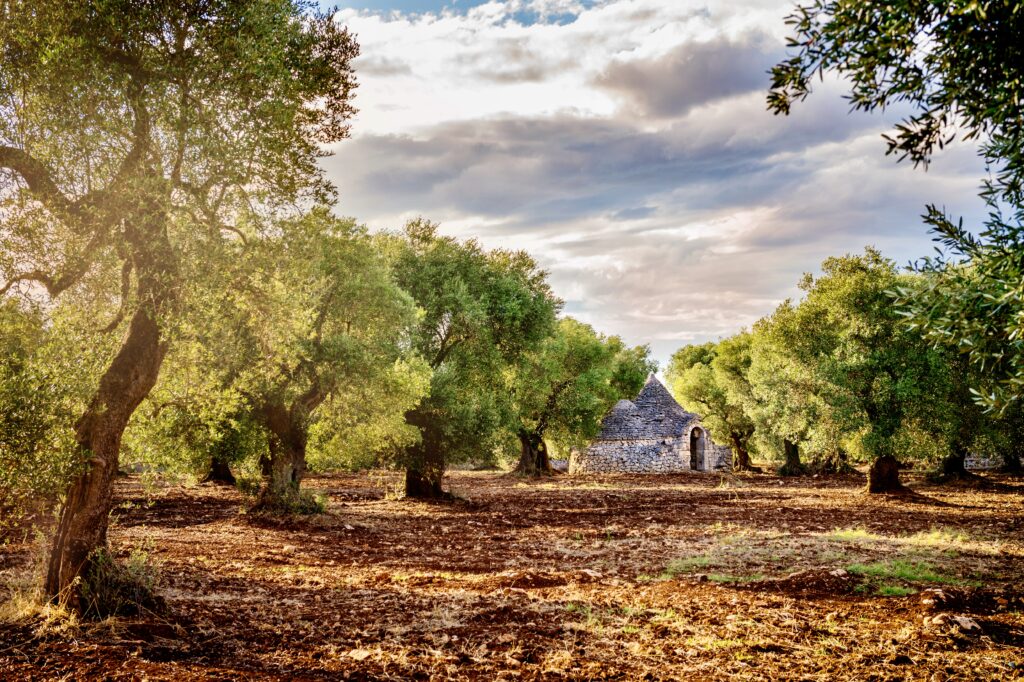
(697, 449)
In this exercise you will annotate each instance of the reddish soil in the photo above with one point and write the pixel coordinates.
(688, 577)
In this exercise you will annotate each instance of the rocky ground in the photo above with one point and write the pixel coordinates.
(617, 577)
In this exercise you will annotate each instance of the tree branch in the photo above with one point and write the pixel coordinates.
(56, 284)
(126, 283)
(38, 178)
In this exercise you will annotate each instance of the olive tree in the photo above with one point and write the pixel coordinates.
(958, 66)
(563, 388)
(482, 310)
(130, 134)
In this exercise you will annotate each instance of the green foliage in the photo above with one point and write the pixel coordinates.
(363, 425)
(481, 310)
(840, 373)
(712, 381)
(43, 387)
(958, 65)
(301, 332)
(965, 75)
(136, 141)
(837, 374)
(114, 588)
(564, 387)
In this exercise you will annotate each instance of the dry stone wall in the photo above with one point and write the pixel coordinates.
(718, 458)
(649, 436)
(663, 456)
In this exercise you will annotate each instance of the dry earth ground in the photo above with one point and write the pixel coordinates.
(620, 577)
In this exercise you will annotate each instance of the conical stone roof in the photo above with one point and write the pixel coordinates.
(655, 414)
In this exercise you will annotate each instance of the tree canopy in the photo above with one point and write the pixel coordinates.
(957, 65)
(130, 136)
(563, 388)
(481, 311)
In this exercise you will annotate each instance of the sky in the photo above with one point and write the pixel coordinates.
(626, 145)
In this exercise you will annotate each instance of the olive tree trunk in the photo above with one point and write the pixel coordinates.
(424, 474)
(792, 466)
(534, 459)
(287, 466)
(954, 465)
(127, 381)
(220, 472)
(741, 456)
(884, 476)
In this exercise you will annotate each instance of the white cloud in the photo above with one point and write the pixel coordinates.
(630, 151)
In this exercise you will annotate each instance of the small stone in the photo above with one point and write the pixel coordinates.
(965, 624)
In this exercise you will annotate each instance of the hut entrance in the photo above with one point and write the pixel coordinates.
(697, 449)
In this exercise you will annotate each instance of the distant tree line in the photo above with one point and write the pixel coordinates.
(840, 378)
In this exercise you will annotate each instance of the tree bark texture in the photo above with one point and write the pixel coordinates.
(884, 476)
(534, 459)
(792, 466)
(288, 438)
(128, 379)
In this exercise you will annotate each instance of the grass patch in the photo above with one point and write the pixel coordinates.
(894, 591)
(724, 578)
(119, 588)
(909, 571)
(687, 565)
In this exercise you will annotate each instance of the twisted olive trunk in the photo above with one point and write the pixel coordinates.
(287, 466)
(884, 476)
(534, 459)
(742, 455)
(126, 382)
(423, 479)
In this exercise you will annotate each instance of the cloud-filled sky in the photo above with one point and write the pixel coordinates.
(626, 145)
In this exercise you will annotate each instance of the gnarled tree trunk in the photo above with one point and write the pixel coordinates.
(741, 456)
(287, 457)
(424, 475)
(792, 466)
(534, 459)
(83, 519)
(125, 383)
(220, 472)
(884, 476)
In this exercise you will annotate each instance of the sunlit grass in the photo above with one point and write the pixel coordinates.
(909, 571)
(894, 591)
(726, 578)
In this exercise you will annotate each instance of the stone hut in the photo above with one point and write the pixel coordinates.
(651, 435)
